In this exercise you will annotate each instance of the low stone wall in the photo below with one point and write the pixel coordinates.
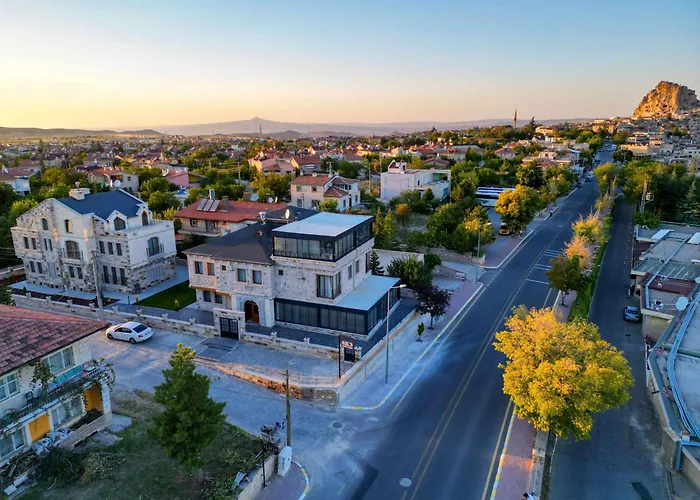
(86, 431)
(113, 316)
(255, 486)
(295, 346)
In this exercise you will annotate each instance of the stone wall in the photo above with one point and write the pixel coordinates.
(255, 486)
(289, 345)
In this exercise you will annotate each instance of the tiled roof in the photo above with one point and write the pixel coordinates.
(307, 160)
(103, 204)
(26, 335)
(339, 180)
(333, 192)
(311, 180)
(6, 177)
(237, 211)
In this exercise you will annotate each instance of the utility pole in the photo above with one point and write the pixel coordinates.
(97, 285)
(644, 196)
(478, 253)
(289, 415)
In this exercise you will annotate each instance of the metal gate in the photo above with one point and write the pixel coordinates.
(229, 328)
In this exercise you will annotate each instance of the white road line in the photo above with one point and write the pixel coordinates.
(543, 267)
(537, 281)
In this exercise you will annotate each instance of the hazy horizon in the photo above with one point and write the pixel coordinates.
(130, 64)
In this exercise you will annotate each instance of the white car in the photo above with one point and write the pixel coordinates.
(131, 331)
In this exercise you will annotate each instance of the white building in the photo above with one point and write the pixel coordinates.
(308, 191)
(61, 240)
(312, 274)
(398, 179)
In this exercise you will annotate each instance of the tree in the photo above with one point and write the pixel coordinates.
(565, 275)
(389, 229)
(160, 201)
(431, 260)
(375, 264)
(560, 374)
(421, 329)
(647, 218)
(691, 204)
(432, 300)
(276, 185)
(530, 174)
(607, 176)
(591, 229)
(413, 272)
(22, 206)
(579, 247)
(329, 205)
(190, 420)
(156, 185)
(403, 213)
(6, 296)
(623, 155)
(518, 207)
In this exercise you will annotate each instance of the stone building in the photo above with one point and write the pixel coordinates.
(308, 191)
(311, 274)
(62, 242)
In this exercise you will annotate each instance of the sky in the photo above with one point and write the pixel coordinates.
(136, 63)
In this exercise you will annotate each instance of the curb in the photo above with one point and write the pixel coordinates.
(503, 454)
(403, 377)
(505, 259)
(306, 478)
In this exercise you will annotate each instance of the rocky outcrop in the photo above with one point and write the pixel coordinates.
(667, 99)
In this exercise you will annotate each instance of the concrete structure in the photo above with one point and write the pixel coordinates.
(76, 383)
(312, 273)
(109, 176)
(308, 191)
(398, 179)
(61, 241)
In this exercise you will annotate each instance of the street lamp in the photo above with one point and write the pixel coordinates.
(386, 341)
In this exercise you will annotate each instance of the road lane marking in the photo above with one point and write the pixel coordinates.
(463, 385)
(500, 461)
(542, 267)
(538, 281)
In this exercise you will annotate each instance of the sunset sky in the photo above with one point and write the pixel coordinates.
(151, 62)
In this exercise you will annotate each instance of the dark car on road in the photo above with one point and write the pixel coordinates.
(632, 313)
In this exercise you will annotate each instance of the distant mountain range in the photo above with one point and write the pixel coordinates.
(59, 133)
(289, 130)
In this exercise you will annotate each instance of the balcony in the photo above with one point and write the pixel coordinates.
(155, 251)
(71, 255)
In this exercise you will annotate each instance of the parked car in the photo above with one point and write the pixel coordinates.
(632, 313)
(505, 230)
(132, 332)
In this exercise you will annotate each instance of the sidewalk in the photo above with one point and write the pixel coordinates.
(515, 467)
(292, 486)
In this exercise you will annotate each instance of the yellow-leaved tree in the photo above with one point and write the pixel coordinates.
(559, 374)
(591, 228)
(579, 247)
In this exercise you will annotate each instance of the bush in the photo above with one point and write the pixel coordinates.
(431, 260)
(413, 273)
(648, 219)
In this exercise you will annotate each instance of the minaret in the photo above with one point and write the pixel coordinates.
(515, 119)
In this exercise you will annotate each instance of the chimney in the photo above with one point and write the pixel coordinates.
(224, 203)
(212, 194)
(314, 174)
(78, 193)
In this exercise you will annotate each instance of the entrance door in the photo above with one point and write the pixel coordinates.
(252, 314)
(229, 328)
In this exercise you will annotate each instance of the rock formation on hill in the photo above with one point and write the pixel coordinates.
(667, 99)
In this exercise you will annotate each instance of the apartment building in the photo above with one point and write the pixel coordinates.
(62, 241)
(308, 191)
(311, 274)
(398, 178)
(74, 393)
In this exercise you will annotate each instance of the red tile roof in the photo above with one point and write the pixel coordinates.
(26, 335)
(333, 192)
(238, 211)
(311, 180)
(307, 160)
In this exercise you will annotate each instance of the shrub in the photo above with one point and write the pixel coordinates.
(431, 260)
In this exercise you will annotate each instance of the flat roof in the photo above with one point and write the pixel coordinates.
(323, 224)
(679, 229)
(368, 293)
(678, 270)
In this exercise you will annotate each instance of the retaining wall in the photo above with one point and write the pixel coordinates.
(255, 486)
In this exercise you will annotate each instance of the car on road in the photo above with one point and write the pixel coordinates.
(632, 313)
(578, 184)
(131, 332)
(504, 230)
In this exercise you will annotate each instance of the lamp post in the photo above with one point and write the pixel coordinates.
(386, 341)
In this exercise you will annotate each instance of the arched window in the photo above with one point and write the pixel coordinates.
(144, 218)
(69, 226)
(72, 250)
(119, 224)
(44, 224)
(153, 246)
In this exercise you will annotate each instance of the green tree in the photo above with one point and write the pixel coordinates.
(432, 300)
(607, 175)
(6, 296)
(390, 229)
(565, 275)
(591, 229)
(421, 329)
(160, 201)
(329, 205)
(275, 184)
(623, 155)
(691, 204)
(518, 207)
(559, 375)
(403, 213)
(413, 272)
(22, 206)
(530, 174)
(647, 218)
(190, 420)
(375, 264)
(431, 260)
(7, 197)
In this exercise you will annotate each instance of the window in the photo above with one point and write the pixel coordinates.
(119, 224)
(26, 242)
(102, 247)
(206, 295)
(223, 267)
(12, 442)
(153, 246)
(68, 225)
(210, 268)
(71, 271)
(198, 267)
(80, 272)
(280, 272)
(314, 189)
(31, 266)
(105, 273)
(110, 247)
(214, 225)
(241, 275)
(193, 222)
(298, 189)
(44, 224)
(61, 361)
(119, 248)
(39, 268)
(33, 243)
(357, 266)
(67, 411)
(114, 276)
(299, 202)
(9, 386)
(219, 299)
(257, 277)
(350, 272)
(122, 276)
(327, 287)
(144, 219)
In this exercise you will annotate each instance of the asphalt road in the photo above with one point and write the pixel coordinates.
(449, 429)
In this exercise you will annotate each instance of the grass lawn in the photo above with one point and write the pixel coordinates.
(166, 299)
(137, 467)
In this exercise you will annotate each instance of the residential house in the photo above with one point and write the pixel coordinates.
(437, 163)
(211, 217)
(115, 178)
(306, 164)
(506, 153)
(311, 274)
(398, 178)
(73, 394)
(62, 241)
(17, 178)
(275, 164)
(308, 191)
(184, 178)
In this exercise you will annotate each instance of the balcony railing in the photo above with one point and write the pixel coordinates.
(73, 254)
(155, 251)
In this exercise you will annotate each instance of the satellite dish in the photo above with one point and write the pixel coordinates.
(682, 303)
(270, 199)
(117, 183)
(287, 214)
(253, 197)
